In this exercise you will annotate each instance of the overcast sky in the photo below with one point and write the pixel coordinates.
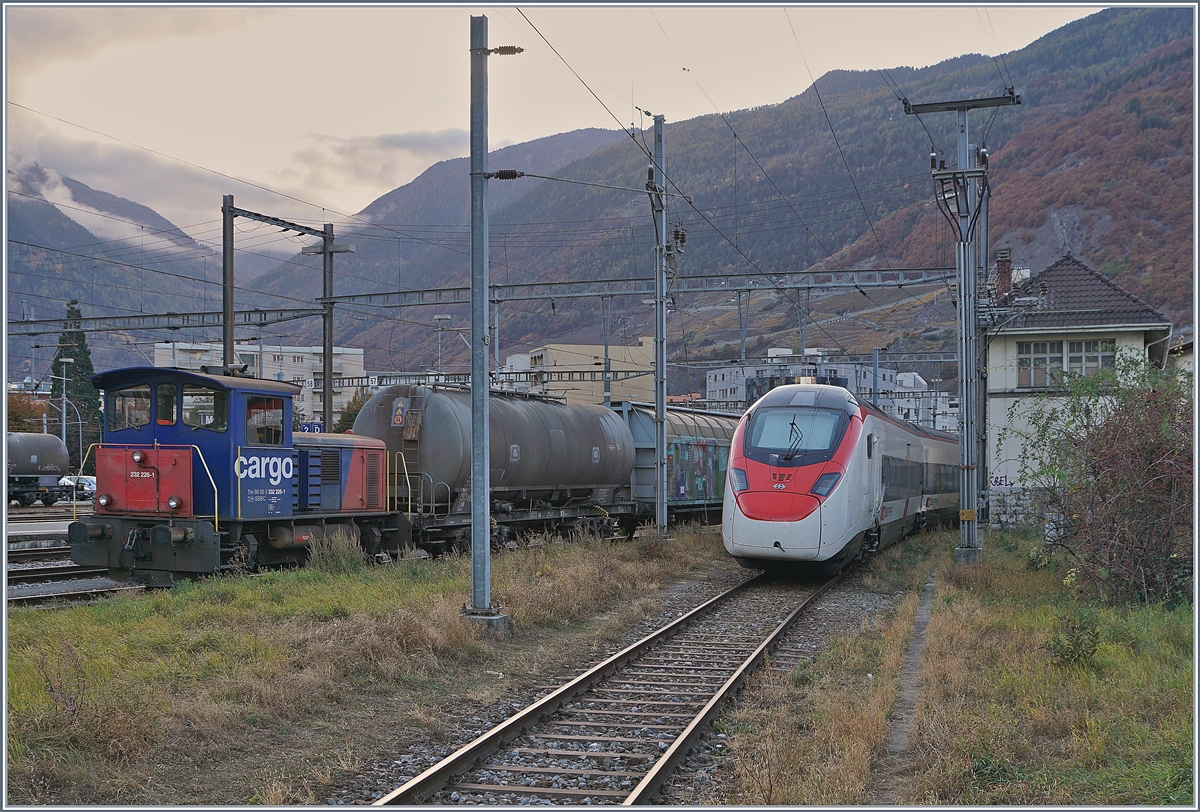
(337, 106)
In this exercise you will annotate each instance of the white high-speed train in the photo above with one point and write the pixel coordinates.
(817, 478)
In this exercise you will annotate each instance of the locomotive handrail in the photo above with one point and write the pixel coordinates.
(74, 502)
(213, 482)
(239, 486)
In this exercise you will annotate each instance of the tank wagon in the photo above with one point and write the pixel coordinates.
(36, 462)
(200, 473)
(817, 479)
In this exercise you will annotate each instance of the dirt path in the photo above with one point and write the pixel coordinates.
(898, 765)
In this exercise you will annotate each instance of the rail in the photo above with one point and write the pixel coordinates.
(74, 596)
(472, 755)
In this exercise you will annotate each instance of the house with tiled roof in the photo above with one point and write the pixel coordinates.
(1068, 318)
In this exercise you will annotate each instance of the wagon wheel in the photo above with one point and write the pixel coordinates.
(26, 499)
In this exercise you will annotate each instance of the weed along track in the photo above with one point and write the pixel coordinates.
(614, 733)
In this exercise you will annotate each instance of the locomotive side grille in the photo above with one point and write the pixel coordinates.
(374, 481)
(331, 467)
(778, 477)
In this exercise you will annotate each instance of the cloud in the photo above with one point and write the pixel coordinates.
(38, 38)
(376, 162)
(187, 196)
(50, 186)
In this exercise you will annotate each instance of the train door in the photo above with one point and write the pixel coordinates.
(873, 481)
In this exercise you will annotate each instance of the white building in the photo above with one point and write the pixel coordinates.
(1068, 318)
(298, 365)
(903, 394)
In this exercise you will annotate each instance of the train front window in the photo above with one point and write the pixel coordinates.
(165, 395)
(129, 408)
(205, 408)
(795, 432)
(264, 420)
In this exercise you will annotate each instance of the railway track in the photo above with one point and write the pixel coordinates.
(56, 513)
(41, 575)
(76, 595)
(614, 733)
(23, 555)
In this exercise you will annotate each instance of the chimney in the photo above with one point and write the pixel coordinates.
(1003, 272)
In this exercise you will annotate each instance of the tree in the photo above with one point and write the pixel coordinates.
(345, 421)
(83, 401)
(1112, 462)
(25, 412)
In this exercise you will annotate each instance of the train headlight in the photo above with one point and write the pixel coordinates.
(138, 456)
(174, 502)
(825, 484)
(103, 499)
(737, 478)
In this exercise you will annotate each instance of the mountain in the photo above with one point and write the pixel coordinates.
(131, 260)
(1096, 160)
(409, 225)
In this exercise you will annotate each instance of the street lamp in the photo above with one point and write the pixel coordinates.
(79, 420)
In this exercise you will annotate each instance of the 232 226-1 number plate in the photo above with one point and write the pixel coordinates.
(141, 474)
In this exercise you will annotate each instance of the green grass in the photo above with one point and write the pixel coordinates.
(1035, 696)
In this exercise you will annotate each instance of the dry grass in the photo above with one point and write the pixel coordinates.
(813, 736)
(1003, 717)
(1002, 720)
(203, 667)
(809, 737)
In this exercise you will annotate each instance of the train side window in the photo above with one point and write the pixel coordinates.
(129, 408)
(870, 446)
(165, 396)
(264, 420)
(205, 408)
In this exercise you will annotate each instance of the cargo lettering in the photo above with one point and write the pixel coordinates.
(273, 468)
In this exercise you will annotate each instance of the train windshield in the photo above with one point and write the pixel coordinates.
(129, 408)
(795, 433)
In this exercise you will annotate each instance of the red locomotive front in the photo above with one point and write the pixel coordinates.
(150, 480)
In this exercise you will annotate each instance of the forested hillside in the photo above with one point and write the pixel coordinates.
(1096, 160)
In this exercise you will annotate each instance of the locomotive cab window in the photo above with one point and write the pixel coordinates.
(205, 408)
(264, 420)
(165, 395)
(129, 408)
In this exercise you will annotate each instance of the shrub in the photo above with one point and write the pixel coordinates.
(336, 553)
(1078, 635)
(1111, 461)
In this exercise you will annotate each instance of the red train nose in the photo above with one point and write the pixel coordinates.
(772, 506)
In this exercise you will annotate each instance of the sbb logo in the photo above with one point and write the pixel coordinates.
(275, 468)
